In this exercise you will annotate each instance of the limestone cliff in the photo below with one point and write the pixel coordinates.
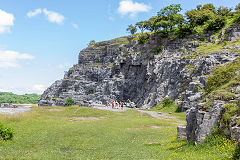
(123, 69)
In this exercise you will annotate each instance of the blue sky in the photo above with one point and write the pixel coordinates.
(39, 40)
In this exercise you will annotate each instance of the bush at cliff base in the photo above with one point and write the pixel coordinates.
(69, 102)
(6, 133)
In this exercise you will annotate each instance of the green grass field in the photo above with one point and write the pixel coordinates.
(64, 133)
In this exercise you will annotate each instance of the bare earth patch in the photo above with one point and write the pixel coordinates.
(145, 127)
(83, 118)
(19, 109)
(161, 116)
(64, 149)
(54, 110)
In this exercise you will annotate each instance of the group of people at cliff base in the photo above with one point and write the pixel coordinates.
(120, 105)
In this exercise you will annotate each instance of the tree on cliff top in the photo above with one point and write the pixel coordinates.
(132, 29)
(142, 25)
(169, 17)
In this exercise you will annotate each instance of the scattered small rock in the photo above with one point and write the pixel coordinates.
(181, 132)
(55, 110)
(64, 149)
(83, 118)
(154, 143)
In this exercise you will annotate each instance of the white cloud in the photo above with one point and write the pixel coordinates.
(75, 26)
(31, 14)
(65, 65)
(11, 58)
(53, 17)
(132, 8)
(6, 21)
(38, 88)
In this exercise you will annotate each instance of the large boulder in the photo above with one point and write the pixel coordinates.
(200, 123)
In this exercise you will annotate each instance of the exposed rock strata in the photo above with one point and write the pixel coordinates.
(124, 70)
(201, 123)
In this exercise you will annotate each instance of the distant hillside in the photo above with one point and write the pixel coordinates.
(7, 97)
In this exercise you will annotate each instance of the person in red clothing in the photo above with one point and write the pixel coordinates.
(113, 103)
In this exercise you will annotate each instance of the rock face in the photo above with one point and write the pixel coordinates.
(201, 123)
(181, 132)
(121, 69)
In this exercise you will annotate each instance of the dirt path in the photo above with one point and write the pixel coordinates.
(111, 109)
(158, 115)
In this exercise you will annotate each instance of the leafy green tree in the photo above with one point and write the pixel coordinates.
(209, 7)
(223, 11)
(151, 24)
(132, 29)
(215, 23)
(237, 8)
(169, 17)
(237, 14)
(170, 10)
(183, 30)
(141, 25)
(200, 15)
(207, 16)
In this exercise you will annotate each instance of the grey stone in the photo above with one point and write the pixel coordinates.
(236, 89)
(235, 134)
(201, 123)
(181, 132)
(5, 105)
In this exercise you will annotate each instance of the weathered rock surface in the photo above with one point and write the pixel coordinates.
(123, 70)
(181, 132)
(201, 123)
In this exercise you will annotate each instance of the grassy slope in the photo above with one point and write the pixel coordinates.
(44, 134)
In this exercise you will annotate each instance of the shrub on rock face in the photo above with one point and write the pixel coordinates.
(158, 50)
(143, 38)
(69, 102)
(91, 91)
(222, 75)
(92, 42)
(230, 110)
(166, 102)
(6, 133)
